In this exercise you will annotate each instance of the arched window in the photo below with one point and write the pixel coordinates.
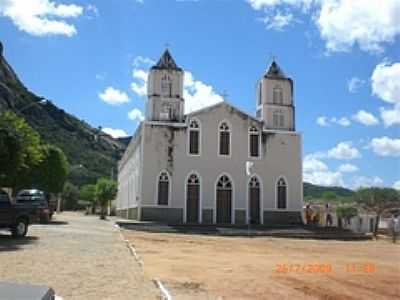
(163, 188)
(224, 200)
(277, 95)
(194, 137)
(254, 142)
(254, 200)
(193, 199)
(278, 120)
(166, 86)
(224, 139)
(281, 193)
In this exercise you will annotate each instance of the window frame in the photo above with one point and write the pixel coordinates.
(229, 130)
(277, 193)
(277, 91)
(157, 198)
(250, 133)
(190, 129)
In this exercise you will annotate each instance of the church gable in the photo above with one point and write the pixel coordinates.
(224, 110)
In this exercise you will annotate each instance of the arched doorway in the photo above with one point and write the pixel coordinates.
(192, 199)
(254, 200)
(224, 200)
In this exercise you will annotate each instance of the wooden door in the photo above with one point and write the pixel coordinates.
(254, 194)
(193, 203)
(224, 206)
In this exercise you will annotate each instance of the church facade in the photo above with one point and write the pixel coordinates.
(217, 165)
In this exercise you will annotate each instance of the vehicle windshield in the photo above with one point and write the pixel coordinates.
(31, 195)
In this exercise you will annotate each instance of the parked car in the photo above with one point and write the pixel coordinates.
(37, 200)
(15, 217)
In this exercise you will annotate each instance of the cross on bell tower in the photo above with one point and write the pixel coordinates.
(165, 91)
(275, 99)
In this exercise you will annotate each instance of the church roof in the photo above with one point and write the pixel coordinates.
(222, 103)
(166, 62)
(274, 71)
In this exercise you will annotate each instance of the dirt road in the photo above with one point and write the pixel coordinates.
(204, 267)
(81, 257)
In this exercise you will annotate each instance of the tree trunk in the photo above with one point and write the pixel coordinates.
(376, 225)
(103, 212)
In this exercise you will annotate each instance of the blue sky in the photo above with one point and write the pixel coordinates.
(91, 58)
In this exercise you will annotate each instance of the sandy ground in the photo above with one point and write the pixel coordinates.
(80, 257)
(204, 267)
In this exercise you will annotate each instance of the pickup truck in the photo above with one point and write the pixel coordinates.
(15, 217)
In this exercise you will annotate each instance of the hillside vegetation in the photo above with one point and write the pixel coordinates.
(55, 126)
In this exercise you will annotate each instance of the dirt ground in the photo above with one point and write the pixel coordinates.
(205, 267)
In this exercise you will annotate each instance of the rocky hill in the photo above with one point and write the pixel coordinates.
(98, 156)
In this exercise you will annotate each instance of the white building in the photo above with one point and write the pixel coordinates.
(192, 168)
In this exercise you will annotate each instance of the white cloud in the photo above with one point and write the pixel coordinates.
(365, 118)
(317, 172)
(354, 84)
(198, 94)
(396, 185)
(322, 121)
(41, 17)
(343, 24)
(391, 116)
(92, 10)
(344, 151)
(386, 81)
(140, 61)
(368, 23)
(139, 85)
(347, 168)
(115, 133)
(136, 115)
(278, 21)
(267, 4)
(113, 96)
(385, 146)
(386, 85)
(341, 121)
(364, 181)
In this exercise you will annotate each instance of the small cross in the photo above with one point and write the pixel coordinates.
(224, 95)
(167, 45)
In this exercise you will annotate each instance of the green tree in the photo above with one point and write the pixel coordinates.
(88, 194)
(51, 173)
(329, 196)
(70, 196)
(106, 190)
(19, 148)
(377, 200)
(346, 213)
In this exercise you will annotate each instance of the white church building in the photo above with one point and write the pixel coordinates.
(192, 168)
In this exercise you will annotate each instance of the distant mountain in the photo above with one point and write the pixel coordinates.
(98, 156)
(316, 191)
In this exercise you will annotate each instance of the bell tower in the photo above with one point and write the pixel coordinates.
(275, 99)
(165, 91)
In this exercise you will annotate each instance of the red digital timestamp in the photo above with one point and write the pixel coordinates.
(303, 268)
(321, 268)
